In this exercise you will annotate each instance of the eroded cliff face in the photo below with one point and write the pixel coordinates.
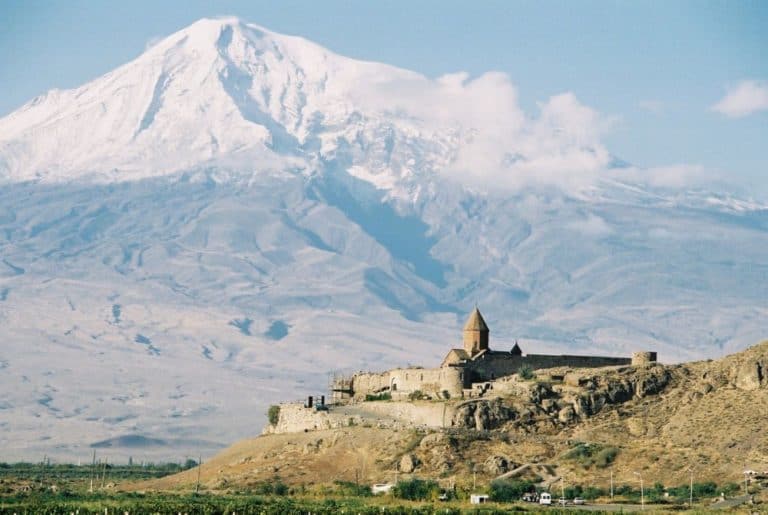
(559, 398)
(562, 398)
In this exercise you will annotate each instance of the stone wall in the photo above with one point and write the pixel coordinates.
(494, 365)
(295, 418)
(401, 382)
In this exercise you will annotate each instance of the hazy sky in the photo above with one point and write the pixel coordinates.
(686, 83)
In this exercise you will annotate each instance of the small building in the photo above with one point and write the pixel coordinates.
(478, 498)
(381, 488)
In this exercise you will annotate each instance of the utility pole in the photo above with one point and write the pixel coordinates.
(690, 497)
(93, 470)
(42, 469)
(642, 491)
(611, 483)
(199, 467)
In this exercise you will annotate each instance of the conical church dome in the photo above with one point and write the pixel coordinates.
(475, 322)
(475, 333)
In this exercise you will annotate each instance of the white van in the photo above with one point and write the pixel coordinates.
(545, 498)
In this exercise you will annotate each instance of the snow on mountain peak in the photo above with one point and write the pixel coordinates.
(222, 92)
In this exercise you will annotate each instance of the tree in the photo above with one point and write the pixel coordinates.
(506, 490)
(273, 414)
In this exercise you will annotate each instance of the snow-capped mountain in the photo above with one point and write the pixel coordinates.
(223, 221)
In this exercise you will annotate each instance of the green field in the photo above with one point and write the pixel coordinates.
(27, 488)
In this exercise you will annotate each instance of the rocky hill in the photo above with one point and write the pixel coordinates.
(657, 420)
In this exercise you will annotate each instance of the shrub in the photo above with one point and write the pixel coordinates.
(592, 492)
(446, 394)
(350, 489)
(605, 457)
(416, 395)
(416, 489)
(526, 372)
(505, 490)
(384, 396)
(280, 488)
(587, 454)
(273, 414)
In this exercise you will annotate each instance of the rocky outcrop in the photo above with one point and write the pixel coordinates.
(408, 463)
(750, 375)
(544, 405)
(497, 465)
(483, 415)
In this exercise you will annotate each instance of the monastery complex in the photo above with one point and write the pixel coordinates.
(468, 371)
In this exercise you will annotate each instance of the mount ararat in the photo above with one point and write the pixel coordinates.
(222, 222)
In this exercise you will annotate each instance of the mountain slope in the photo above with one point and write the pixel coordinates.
(223, 221)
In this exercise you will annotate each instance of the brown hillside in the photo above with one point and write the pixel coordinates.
(709, 415)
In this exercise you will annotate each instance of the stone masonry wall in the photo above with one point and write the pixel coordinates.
(401, 382)
(295, 418)
(499, 364)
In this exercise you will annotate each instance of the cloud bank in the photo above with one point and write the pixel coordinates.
(500, 144)
(746, 98)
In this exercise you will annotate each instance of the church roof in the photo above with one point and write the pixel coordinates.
(455, 356)
(475, 322)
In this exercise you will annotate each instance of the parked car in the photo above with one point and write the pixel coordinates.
(578, 501)
(562, 501)
(531, 497)
(545, 498)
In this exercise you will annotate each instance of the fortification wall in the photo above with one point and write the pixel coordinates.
(424, 413)
(369, 383)
(546, 361)
(401, 382)
(295, 418)
(495, 365)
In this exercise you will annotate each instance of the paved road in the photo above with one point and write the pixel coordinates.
(728, 503)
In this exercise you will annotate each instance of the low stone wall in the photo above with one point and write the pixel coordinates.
(295, 418)
(424, 413)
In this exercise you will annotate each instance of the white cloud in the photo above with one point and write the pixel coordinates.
(501, 145)
(670, 176)
(747, 97)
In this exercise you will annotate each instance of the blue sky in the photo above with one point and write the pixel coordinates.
(656, 68)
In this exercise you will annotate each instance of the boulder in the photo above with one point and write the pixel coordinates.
(496, 465)
(432, 440)
(566, 414)
(652, 383)
(750, 375)
(408, 463)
